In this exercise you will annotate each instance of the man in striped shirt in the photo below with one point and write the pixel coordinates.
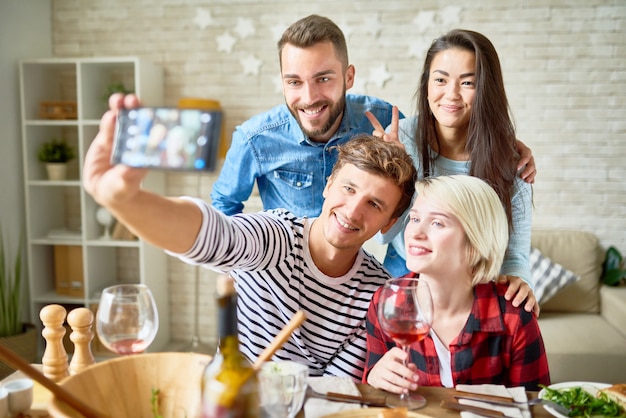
(282, 263)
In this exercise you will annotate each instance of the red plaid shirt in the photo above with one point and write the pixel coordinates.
(500, 344)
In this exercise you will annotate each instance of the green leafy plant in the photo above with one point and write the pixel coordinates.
(117, 87)
(10, 290)
(613, 269)
(56, 151)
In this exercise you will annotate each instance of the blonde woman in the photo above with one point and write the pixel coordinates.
(456, 240)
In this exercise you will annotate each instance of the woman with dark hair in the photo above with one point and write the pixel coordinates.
(464, 126)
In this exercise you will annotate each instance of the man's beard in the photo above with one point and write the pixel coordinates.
(336, 111)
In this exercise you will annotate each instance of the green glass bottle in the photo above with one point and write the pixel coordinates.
(229, 384)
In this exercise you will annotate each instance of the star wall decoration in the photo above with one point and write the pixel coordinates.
(346, 29)
(278, 84)
(203, 18)
(278, 30)
(358, 87)
(244, 27)
(250, 64)
(372, 25)
(424, 20)
(225, 42)
(416, 48)
(379, 75)
(450, 15)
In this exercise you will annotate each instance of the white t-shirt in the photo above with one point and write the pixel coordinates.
(445, 368)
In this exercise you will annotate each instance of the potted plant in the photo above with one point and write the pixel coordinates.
(56, 154)
(613, 268)
(14, 333)
(115, 87)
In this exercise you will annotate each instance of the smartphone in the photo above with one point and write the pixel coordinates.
(167, 138)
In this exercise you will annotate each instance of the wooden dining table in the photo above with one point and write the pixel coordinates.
(41, 395)
(434, 396)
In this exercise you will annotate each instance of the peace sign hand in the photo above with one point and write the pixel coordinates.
(379, 130)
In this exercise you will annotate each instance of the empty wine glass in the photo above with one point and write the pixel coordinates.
(405, 312)
(127, 320)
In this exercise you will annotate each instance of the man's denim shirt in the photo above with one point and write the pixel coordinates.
(291, 170)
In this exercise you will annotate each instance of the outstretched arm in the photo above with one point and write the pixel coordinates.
(168, 223)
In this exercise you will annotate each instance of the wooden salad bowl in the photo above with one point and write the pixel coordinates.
(123, 386)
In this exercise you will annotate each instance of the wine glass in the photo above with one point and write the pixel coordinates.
(127, 320)
(405, 312)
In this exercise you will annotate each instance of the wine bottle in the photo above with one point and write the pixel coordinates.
(229, 383)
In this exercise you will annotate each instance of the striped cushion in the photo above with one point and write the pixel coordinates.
(547, 276)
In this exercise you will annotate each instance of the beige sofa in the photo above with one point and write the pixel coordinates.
(584, 324)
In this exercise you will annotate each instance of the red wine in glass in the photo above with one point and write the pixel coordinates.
(129, 346)
(405, 312)
(404, 332)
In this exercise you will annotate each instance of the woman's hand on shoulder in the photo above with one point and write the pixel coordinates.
(391, 375)
(527, 162)
(520, 292)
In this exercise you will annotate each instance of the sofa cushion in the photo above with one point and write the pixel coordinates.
(613, 301)
(580, 252)
(547, 276)
(582, 347)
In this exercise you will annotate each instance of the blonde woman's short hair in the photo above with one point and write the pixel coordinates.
(479, 210)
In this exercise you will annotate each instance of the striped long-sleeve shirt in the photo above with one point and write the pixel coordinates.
(268, 255)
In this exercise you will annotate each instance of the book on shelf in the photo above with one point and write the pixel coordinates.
(68, 270)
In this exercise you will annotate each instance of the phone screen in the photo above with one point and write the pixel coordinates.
(167, 138)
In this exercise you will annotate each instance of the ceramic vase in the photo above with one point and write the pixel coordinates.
(56, 171)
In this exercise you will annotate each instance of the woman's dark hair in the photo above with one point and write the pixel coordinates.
(491, 142)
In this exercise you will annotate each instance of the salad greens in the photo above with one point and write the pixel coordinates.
(154, 400)
(583, 404)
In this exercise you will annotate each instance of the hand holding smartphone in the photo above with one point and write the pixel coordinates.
(167, 138)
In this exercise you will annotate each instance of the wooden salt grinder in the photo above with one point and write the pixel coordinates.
(54, 360)
(81, 320)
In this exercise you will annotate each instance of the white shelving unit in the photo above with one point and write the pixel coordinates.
(63, 206)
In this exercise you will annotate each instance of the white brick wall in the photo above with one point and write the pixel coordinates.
(564, 64)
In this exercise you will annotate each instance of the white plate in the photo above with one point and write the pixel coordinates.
(567, 385)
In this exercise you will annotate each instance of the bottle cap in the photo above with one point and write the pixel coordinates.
(225, 285)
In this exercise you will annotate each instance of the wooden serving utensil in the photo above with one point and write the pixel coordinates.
(477, 396)
(266, 354)
(279, 340)
(20, 364)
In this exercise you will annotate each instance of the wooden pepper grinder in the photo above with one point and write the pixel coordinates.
(54, 360)
(81, 320)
